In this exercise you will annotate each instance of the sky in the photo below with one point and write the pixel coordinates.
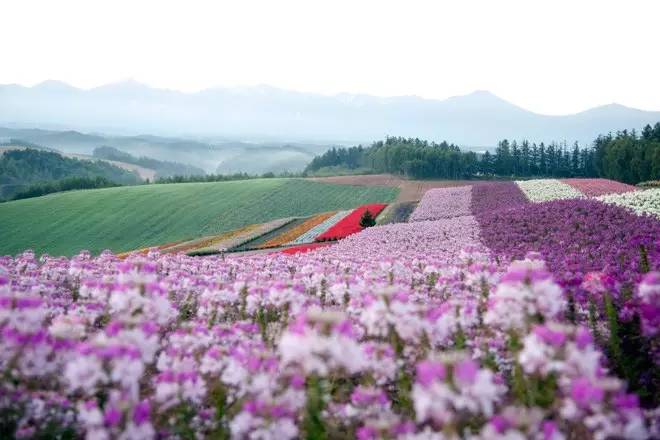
(549, 56)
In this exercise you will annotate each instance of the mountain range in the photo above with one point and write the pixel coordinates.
(264, 113)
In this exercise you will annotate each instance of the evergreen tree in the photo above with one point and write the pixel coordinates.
(575, 160)
(367, 220)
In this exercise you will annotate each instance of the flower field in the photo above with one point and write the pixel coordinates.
(508, 320)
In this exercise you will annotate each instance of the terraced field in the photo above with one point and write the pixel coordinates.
(127, 218)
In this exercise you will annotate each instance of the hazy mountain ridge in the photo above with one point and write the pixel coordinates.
(263, 112)
(210, 154)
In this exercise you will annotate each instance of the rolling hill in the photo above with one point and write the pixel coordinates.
(126, 218)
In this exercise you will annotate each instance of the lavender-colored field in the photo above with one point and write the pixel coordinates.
(445, 328)
(442, 203)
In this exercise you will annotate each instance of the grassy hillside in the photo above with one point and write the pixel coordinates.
(127, 218)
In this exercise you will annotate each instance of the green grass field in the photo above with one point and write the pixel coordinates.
(127, 218)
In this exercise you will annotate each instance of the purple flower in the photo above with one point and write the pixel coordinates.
(142, 412)
(549, 429)
(584, 393)
(430, 371)
(112, 416)
(500, 423)
(549, 336)
(366, 433)
(583, 338)
(466, 370)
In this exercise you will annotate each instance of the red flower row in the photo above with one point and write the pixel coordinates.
(351, 223)
(302, 248)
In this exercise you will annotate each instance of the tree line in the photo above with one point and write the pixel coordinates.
(68, 184)
(627, 156)
(225, 177)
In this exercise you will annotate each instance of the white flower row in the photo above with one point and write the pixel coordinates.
(310, 235)
(641, 202)
(544, 190)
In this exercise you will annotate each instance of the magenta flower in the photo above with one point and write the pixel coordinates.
(429, 372)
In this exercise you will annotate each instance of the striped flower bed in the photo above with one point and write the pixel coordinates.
(442, 203)
(598, 187)
(243, 238)
(295, 232)
(310, 235)
(351, 223)
(641, 202)
(209, 241)
(544, 190)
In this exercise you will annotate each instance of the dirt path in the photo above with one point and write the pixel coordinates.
(411, 190)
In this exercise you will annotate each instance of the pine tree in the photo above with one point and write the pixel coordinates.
(525, 159)
(575, 160)
(367, 220)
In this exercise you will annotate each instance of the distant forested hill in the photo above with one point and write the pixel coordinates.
(627, 156)
(162, 168)
(21, 168)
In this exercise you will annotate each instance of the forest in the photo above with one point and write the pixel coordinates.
(67, 184)
(627, 156)
(19, 169)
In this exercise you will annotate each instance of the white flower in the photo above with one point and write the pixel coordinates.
(319, 354)
(67, 327)
(641, 202)
(543, 190)
(84, 372)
